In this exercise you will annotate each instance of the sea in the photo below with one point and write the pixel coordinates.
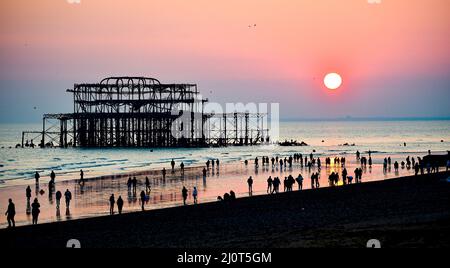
(325, 138)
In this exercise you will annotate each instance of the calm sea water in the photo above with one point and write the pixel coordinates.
(381, 137)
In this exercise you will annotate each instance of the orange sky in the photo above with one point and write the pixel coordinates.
(210, 42)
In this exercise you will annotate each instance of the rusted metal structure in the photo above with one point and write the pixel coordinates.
(143, 112)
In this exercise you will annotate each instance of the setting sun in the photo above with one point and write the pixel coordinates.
(332, 81)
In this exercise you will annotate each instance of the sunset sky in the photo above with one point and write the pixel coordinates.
(393, 55)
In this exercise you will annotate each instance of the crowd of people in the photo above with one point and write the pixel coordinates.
(273, 184)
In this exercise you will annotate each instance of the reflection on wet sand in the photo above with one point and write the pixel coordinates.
(92, 197)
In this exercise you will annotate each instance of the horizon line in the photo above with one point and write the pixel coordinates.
(321, 119)
(374, 118)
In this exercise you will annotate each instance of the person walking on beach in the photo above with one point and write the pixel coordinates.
(396, 166)
(250, 185)
(317, 180)
(68, 197)
(28, 193)
(52, 176)
(184, 194)
(269, 185)
(143, 197)
(81, 182)
(134, 181)
(112, 202)
(300, 182)
(291, 183)
(276, 185)
(195, 194)
(35, 210)
(173, 166)
(182, 168)
(147, 185)
(58, 199)
(119, 204)
(204, 173)
(344, 176)
(129, 184)
(37, 177)
(10, 214)
(218, 163)
(164, 173)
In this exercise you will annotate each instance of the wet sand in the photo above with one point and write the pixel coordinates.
(403, 212)
(92, 199)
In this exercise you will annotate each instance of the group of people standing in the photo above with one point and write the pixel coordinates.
(34, 208)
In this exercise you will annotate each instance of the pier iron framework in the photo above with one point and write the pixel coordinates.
(143, 112)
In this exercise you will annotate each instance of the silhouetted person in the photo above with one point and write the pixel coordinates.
(184, 194)
(28, 193)
(182, 167)
(147, 184)
(143, 197)
(195, 195)
(81, 177)
(35, 210)
(232, 195)
(58, 197)
(317, 180)
(396, 166)
(269, 185)
(10, 214)
(68, 197)
(52, 176)
(300, 182)
(250, 185)
(173, 165)
(344, 176)
(350, 179)
(134, 184)
(37, 177)
(129, 184)
(276, 185)
(416, 169)
(204, 172)
(112, 202)
(218, 163)
(119, 204)
(164, 173)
